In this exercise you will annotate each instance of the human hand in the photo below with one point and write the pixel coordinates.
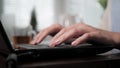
(82, 33)
(52, 30)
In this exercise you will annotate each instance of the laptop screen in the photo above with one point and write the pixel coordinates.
(5, 46)
(11, 36)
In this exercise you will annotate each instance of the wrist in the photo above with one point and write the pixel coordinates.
(116, 39)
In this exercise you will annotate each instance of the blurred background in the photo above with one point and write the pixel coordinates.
(103, 14)
(43, 13)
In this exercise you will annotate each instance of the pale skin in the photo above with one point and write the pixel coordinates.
(80, 32)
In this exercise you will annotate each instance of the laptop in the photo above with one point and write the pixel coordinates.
(43, 50)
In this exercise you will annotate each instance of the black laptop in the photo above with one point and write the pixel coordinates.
(43, 50)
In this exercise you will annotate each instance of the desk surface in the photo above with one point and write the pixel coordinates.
(100, 61)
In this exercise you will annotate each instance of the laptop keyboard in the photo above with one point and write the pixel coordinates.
(41, 46)
(28, 46)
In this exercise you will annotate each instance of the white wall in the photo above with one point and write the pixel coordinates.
(89, 10)
(115, 15)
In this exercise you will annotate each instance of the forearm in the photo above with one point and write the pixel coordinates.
(108, 38)
(112, 38)
(116, 39)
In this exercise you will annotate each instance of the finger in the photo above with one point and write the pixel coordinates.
(57, 35)
(34, 39)
(39, 35)
(43, 33)
(60, 33)
(42, 36)
(55, 29)
(81, 39)
(67, 35)
(86, 37)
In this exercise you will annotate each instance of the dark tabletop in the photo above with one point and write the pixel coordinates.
(97, 61)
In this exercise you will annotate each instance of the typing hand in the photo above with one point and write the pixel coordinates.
(52, 30)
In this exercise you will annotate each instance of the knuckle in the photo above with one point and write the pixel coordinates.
(64, 36)
(44, 30)
(97, 32)
(58, 26)
(64, 29)
(80, 24)
(74, 30)
(87, 35)
(83, 25)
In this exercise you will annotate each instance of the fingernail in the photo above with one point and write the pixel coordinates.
(74, 43)
(53, 43)
(57, 42)
(32, 42)
(38, 41)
